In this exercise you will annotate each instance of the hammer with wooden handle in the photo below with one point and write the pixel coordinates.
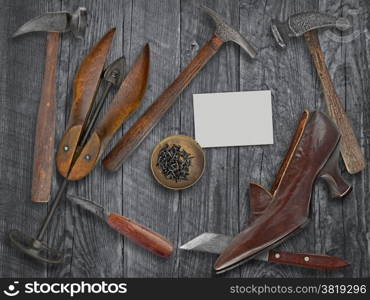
(306, 24)
(43, 158)
(141, 128)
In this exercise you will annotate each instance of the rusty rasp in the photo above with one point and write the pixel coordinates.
(143, 126)
(136, 232)
(216, 243)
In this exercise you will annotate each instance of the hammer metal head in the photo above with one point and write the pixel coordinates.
(57, 22)
(298, 24)
(227, 33)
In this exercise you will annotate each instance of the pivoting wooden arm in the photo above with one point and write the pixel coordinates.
(137, 133)
(350, 149)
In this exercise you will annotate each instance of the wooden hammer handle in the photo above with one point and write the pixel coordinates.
(43, 157)
(141, 235)
(137, 133)
(349, 146)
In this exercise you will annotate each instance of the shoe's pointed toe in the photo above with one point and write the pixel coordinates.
(277, 216)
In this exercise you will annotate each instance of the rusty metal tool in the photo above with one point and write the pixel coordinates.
(135, 232)
(215, 243)
(141, 128)
(43, 157)
(82, 144)
(306, 24)
(260, 199)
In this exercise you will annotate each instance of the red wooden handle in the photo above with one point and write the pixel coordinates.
(137, 133)
(313, 261)
(141, 235)
(43, 156)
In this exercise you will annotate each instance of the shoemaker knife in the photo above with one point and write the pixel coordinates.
(130, 229)
(216, 243)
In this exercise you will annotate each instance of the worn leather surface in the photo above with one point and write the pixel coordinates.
(259, 199)
(289, 209)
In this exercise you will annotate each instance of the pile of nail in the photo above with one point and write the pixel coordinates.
(174, 162)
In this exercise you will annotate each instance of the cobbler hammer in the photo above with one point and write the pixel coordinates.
(43, 158)
(141, 128)
(306, 24)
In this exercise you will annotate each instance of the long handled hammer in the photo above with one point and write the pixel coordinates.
(43, 157)
(306, 24)
(137, 133)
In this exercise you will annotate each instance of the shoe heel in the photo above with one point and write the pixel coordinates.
(331, 174)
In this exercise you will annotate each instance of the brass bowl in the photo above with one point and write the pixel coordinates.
(196, 168)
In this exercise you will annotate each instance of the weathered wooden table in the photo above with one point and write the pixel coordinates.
(218, 203)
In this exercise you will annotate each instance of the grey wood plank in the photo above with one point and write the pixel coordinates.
(144, 200)
(289, 75)
(91, 248)
(211, 204)
(365, 87)
(22, 63)
(347, 68)
(218, 202)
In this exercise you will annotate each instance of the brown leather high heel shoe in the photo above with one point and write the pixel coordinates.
(313, 153)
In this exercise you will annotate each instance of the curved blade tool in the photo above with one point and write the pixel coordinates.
(136, 232)
(217, 243)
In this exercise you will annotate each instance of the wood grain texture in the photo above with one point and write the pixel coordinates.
(43, 152)
(126, 100)
(349, 146)
(211, 204)
(141, 235)
(22, 62)
(176, 30)
(85, 85)
(142, 127)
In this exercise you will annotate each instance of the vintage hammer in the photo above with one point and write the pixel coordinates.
(306, 24)
(141, 128)
(43, 157)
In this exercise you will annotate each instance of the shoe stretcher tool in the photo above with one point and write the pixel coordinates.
(142, 127)
(82, 144)
(128, 228)
(306, 24)
(216, 243)
(43, 157)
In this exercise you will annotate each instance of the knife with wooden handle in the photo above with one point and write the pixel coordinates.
(135, 232)
(216, 243)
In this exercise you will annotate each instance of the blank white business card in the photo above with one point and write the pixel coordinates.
(233, 119)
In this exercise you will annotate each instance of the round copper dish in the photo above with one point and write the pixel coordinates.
(197, 164)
